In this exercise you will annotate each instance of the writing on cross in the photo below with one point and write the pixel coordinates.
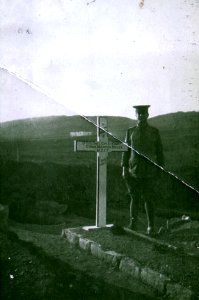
(102, 147)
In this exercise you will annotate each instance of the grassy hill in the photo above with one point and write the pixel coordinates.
(180, 137)
(38, 163)
(49, 139)
(59, 127)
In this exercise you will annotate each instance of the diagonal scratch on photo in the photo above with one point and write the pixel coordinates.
(99, 150)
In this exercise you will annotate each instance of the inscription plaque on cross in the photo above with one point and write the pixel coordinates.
(102, 147)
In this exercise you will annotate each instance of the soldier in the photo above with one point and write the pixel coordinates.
(139, 172)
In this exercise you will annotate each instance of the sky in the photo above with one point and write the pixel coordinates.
(98, 57)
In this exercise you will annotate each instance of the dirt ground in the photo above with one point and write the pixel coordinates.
(41, 265)
(59, 272)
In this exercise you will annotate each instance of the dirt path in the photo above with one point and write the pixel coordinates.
(41, 265)
(37, 264)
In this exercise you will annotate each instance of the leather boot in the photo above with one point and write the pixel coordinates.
(132, 224)
(150, 231)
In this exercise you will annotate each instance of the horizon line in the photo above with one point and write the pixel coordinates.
(92, 116)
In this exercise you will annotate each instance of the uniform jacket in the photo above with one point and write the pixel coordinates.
(146, 141)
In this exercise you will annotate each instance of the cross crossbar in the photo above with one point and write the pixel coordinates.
(98, 146)
(102, 147)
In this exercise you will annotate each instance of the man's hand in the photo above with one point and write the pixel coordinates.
(125, 172)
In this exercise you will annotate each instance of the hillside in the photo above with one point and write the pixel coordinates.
(38, 163)
(180, 137)
(59, 127)
(49, 139)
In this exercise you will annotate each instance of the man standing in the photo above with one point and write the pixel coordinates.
(139, 171)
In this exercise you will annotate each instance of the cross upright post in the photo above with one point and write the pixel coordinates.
(101, 194)
(102, 147)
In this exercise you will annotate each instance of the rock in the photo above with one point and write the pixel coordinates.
(130, 266)
(72, 237)
(154, 279)
(113, 258)
(176, 291)
(97, 250)
(46, 212)
(4, 212)
(51, 207)
(85, 244)
(175, 223)
(187, 225)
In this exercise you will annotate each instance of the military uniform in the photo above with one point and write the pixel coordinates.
(145, 147)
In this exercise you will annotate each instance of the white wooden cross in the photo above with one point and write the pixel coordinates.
(102, 147)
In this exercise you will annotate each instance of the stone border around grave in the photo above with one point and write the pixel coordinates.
(161, 283)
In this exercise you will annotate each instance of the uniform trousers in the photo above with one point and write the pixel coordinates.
(141, 190)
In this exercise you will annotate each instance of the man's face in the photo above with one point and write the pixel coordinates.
(142, 116)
